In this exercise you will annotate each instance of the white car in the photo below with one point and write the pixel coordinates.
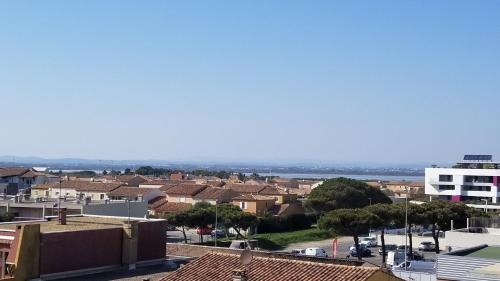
(369, 241)
(316, 252)
(298, 252)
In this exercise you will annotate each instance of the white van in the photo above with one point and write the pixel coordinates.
(369, 241)
(316, 252)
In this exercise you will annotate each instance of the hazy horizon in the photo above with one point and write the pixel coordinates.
(323, 81)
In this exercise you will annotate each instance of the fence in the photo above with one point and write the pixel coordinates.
(415, 276)
(492, 222)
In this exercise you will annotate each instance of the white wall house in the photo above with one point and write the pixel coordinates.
(468, 181)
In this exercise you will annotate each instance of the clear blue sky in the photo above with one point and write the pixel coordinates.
(379, 81)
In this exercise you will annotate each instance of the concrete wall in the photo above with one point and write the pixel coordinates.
(66, 251)
(457, 239)
(137, 209)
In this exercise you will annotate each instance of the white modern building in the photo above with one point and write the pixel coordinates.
(473, 180)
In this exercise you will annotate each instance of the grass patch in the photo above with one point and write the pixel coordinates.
(278, 241)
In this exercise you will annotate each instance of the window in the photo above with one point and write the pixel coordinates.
(476, 188)
(446, 187)
(243, 205)
(479, 179)
(446, 178)
(102, 196)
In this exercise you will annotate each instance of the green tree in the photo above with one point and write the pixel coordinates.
(439, 214)
(104, 172)
(353, 222)
(341, 193)
(231, 216)
(242, 177)
(387, 214)
(128, 171)
(179, 219)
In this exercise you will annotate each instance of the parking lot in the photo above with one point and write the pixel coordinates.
(344, 243)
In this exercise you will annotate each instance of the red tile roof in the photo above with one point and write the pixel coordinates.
(185, 189)
(131, 191)
(253, 197)
(171, 207)
(245, 188)
(213, 193)
(82, 186)
(219, 267)
(12, 172)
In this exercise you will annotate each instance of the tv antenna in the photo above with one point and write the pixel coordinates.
(246, 257)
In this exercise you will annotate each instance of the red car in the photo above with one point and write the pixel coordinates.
(204, 231)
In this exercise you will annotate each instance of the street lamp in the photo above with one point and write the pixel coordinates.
(406, 229)
(216, 222)
(370, 228)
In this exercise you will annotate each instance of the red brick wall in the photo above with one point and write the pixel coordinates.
(65, 251)
(152, 239)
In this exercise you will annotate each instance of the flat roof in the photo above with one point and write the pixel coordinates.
(72, 224)
(490, 252)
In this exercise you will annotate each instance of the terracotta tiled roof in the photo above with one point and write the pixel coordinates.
(167, 186)
(12, 172)
(213, 193)
(253, 197)
(245, 188)
(171, 207)
(271, 190)
(407, 183)
(219, 267)
(32, 174)
(157, 202)
(82, 186)
(131, 191)
(186, 189)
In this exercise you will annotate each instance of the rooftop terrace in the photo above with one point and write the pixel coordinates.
(72, 224)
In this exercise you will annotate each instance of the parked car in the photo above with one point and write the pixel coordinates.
(368, 241)
(298, 252)
(429, 234)
(365, 252)
(316, 252)
(218, 233)
(243, 244)
(388, 247)
(427, 246)
(203, 231)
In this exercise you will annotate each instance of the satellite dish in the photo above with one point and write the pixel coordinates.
(246, 257)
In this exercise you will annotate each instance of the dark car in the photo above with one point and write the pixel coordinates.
(218, 233)
(388, 247)
(365, 252)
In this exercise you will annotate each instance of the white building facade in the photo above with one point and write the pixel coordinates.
(468, 181)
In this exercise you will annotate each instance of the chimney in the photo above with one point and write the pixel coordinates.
(62, 216)
(239, 275)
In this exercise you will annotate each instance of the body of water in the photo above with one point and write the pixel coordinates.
(357, 177)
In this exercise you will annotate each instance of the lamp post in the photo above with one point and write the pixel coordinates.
(370, 228)
(406, 231)
(59, 199)
(216, 234)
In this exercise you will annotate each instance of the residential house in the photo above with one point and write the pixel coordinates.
(184, 193)
(134, 193)
(288, 183)
(282, 195)
(287, 209)
(132, 180)
(14, 179)
(177, 176)
(227, 267)
(215, 195)
(75, 189)
(258, 205)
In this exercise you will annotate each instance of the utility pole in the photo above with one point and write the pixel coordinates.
(59, 199)
(406, 231)
(216, 234)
